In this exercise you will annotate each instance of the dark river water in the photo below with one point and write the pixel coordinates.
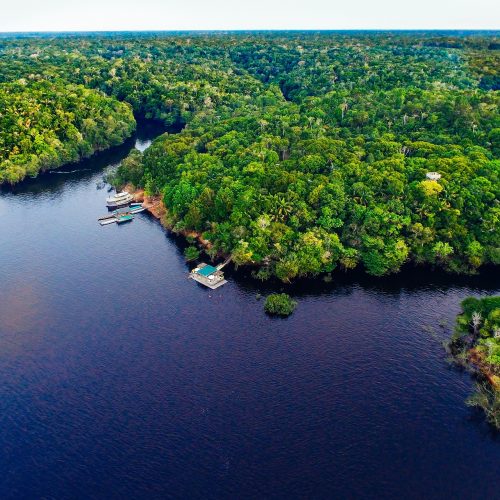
(121, 378)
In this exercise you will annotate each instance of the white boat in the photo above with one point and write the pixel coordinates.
(119, 199)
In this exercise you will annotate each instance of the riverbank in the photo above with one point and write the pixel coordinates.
(477, 359)
(410, 271)
(475, 345)
(155, 206)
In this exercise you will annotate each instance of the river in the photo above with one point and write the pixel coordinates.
(121, 378)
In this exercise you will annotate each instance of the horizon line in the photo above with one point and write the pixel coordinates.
(246, 30)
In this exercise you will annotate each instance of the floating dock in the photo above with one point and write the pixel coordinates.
(119, 219)
(209, 276)
(122, 214)
(110, 220)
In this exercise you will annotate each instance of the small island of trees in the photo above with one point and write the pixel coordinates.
(279, 304)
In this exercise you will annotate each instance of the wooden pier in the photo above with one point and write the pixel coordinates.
(121, 215)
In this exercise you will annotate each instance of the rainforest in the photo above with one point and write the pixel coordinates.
(300, 152)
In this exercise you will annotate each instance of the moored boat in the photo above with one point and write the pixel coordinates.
(117, 216)
(120, 219)
(119, 199)
(136, 210)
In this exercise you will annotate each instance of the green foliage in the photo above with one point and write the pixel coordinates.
(302, 152)
(486, 306)
(480, 319)
(477, 331)
(191, 253)
(131, 169)
(45, 125)
(279, 304)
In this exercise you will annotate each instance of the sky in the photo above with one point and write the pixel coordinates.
(110, 15)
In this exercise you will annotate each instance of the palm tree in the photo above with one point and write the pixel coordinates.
(476, 321)
(281, 210)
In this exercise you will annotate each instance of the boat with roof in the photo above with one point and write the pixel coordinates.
(119, 200)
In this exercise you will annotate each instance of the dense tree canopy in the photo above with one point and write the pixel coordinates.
(304, 152)
(46, 125)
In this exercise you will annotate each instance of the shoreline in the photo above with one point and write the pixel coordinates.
(474, 345)
(476, 361)
(154, 205)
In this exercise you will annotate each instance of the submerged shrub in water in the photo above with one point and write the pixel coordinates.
(279, 304)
